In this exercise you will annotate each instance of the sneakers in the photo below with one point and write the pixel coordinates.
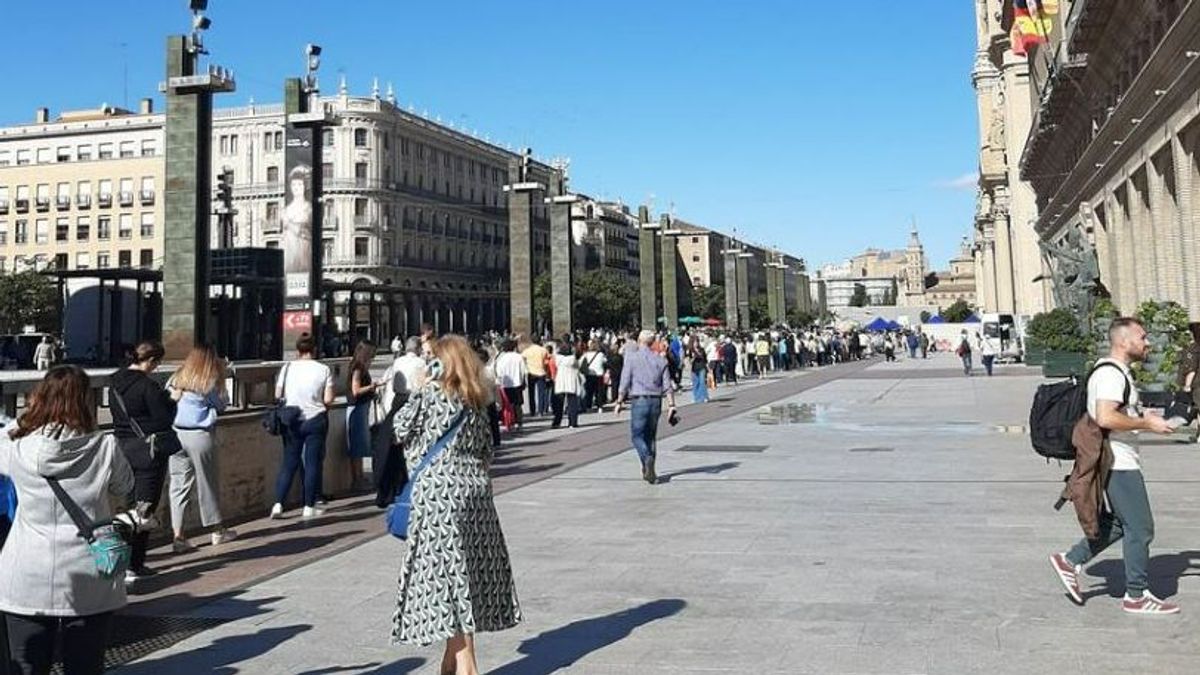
(1148, 604)
(1068, 574)
(648, 474)
(312, 512)
(223, 536)
(276, 512)
(134, 574)
(182, 546)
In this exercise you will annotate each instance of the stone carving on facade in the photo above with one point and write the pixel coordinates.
(983, 205)
(1074, 273)
(995, 137)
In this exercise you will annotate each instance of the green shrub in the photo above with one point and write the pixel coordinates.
(1057, 330)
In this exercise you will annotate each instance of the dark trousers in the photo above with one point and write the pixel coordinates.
(494, 422)
(303, 451)
(988, 360)
(568, 403)
(517, 401)
(731, 371)
(149, 476)
(31, 642)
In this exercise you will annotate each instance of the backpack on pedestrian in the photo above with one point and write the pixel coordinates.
(1056, 409)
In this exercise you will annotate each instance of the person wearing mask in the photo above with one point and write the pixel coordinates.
(456, 579)
(568, 377)
(306, 386)
(50, 586)
(361, 394)
(699, 367)
(141, 408)
(645, 381)
(535, 365)
(510, 372)
(198, 388)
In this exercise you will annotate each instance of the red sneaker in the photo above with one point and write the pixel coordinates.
(1068, 574)
(1148, 604)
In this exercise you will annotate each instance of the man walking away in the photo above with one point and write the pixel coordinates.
(43, 355)
(1130, 518)
(924, 346)
(535, 365)
(987, 352)
(510, 376)
(645, 381)
(964, 352)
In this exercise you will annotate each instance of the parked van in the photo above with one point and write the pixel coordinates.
(1001, 329)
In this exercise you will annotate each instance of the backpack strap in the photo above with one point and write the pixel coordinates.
(1128, 384)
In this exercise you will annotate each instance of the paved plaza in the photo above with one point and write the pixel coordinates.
(887, 520)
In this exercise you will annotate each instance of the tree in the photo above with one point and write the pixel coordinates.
(760, 317)
(925, 316)
(708, 302)
(604, 298)
(860, 298)
(543, 308)
(889, 295)
(959, 312)
(28, 299)
(798, 318)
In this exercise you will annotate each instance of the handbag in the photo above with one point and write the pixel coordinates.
(278, 415)
(400, 512)
(108, 541)
(161, 443)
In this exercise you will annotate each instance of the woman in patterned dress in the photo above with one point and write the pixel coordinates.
(456, 579)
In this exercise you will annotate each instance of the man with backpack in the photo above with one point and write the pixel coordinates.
(1112, 403)
(964, 352)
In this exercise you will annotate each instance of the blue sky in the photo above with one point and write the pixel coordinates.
(818, 127)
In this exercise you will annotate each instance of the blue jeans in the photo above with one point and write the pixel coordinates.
(303, 451)
(966, 359)
(988, 360)
(1132, 521)
(699, 387)
(643, 423)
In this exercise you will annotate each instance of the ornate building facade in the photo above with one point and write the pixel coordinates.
(1007, 258)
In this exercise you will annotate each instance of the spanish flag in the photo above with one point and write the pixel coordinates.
(1031, 23)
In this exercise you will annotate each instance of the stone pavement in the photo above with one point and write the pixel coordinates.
(872, 524)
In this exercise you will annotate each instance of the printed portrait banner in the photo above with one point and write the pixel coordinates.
(296, 221)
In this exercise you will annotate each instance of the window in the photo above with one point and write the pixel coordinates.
(105, 151)
(146, 258)
(147, 190)
(5, 157)
(274, 243)
(62, 230)
(278, 140)
(272, 174)
(105, 188)
(362, 246)
(63, 153)
(83, 228)
(227, 144)
(84, 152)
(83, 194)
(3, 232)
(272, 211)
(147, 225)
(60, 261)
(360, 138)
(126, 193)
(327, 249)
(3, 264)
(149, 147)
(125, 226)
(103, 261)
(83, 261)
(695, 258)
(360, 172)
(21, 234)
(103, 227)
(360, 207)
(125, 259)
(327, 171)
(127, 149)
(22, 157)
(327, 138)
(43, 156)
(404, 146)
(42, 231)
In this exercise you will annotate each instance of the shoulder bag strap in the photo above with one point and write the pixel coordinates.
(83, 524)
(436, 449)
(1128, 380)
(133, 424)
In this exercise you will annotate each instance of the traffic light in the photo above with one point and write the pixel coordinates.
(225, 187)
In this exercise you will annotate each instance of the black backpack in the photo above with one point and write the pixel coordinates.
(1056, 409)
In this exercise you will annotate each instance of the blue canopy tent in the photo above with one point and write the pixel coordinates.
(879, 324)
(936, 319)
(892, 325)
(972, 319)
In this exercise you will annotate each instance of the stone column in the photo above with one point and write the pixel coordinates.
(1004, 265)
(772, 292)
(521, 192)
(743, 291)
(562, 267)
(670, 288)
(729, 260)
(1185, 185)
(647, 269)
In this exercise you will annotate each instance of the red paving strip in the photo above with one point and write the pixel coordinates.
(268, 548)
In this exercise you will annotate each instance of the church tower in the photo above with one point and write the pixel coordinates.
(914, 271)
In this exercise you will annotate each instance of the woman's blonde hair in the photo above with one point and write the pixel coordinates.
(462, 371)
(200, 372)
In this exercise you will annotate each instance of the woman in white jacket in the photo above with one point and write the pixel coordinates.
(568, 383)
(50, 585)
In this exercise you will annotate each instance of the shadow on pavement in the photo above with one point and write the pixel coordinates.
(561, 647)
(398, 668)
(497, 472)
(220, 656)
(1165, 572)
(710, 470)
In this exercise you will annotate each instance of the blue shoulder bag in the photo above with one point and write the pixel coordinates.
(400, 512)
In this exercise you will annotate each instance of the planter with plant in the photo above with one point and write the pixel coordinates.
(1065, 346)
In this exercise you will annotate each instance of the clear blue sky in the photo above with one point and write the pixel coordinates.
(819, 127)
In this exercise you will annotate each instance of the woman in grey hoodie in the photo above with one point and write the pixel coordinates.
(49, 584)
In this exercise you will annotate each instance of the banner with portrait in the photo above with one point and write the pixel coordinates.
(297, 223)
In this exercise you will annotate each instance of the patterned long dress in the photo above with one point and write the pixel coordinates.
(456, 576)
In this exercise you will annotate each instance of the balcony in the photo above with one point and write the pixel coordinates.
(272, 226)
(352, 261)
(147, 197)
(364, 223)
(22, 206)
(104, 200)
(63, 202)
(83, 201)
(42, 204)
(329, 222)
(125, 198)
(3, 206)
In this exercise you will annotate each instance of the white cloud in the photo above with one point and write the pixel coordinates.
(967, 181)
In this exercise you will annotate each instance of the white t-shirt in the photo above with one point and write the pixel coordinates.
(596, 362)
(1108, 384)
(304, 382)
(510, 370)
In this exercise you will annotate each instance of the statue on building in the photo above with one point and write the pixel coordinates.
(995, 137)
(1074, 273)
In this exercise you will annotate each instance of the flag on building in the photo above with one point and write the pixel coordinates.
(1031, 23)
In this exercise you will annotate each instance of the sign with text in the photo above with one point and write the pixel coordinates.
(297, 322)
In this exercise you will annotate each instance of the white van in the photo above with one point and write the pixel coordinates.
(1001, 329)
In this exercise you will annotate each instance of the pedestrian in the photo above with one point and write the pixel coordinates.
(1189, 364)
(987, 352)
(43, 355)
(616, 361)
(536, 385)
(510, 373)
(645, 381)
(406, 373)
(699, 368)
(143, 415)
(51, 588)
(594, 363)
(198, 388)
(716, 357)
(964, 352)
(305, 385)
(729, 361)
(1113, 403)
(362, 396)
(889, 349)
(924, 346)
(456, 579)
(762, 355)
(568, 383)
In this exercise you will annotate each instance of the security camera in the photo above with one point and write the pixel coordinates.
(198, 5)
(200, 22)
(312, 50)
